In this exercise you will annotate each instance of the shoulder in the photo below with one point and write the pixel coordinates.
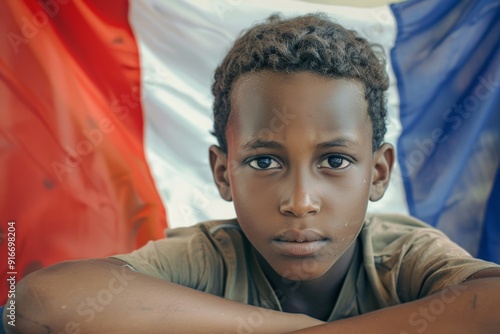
(413, 257)
(390, 232)
(216, 235)
(393, 223)
(203, 241)
(189, 256)
(208, 228)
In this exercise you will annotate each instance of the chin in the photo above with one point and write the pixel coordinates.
(303, 270)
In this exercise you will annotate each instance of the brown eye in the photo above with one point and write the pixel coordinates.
(264, 163)
(334, 162)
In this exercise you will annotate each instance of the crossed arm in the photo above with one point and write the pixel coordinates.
(104, 296)
(471, 307)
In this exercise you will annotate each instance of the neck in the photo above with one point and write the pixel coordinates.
(315, 297)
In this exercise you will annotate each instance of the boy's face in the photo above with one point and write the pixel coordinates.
(300, 167)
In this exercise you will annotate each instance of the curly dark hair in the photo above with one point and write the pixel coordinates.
(306, 43)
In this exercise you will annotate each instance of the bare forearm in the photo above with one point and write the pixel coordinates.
(472, 307)
(98, 296)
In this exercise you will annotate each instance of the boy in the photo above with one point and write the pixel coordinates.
(299, 114)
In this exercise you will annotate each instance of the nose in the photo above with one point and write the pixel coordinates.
(299, 200)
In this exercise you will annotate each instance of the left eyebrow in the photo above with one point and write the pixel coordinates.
(342, 141)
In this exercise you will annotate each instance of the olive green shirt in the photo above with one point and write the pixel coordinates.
(397, 259)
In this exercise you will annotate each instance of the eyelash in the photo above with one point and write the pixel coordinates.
(342, 159)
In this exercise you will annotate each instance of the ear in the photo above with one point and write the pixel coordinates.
(383, 160)
(218, 163)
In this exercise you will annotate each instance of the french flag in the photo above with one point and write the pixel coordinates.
(105, 119)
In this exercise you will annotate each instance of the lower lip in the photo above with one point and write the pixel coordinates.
(299, 249)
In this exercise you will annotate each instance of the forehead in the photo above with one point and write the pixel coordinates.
(279, 104)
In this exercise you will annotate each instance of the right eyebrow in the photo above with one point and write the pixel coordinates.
(261, 143)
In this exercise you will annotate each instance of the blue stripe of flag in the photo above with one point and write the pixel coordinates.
(447, 64)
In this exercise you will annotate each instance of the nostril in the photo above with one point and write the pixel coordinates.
(300, 214)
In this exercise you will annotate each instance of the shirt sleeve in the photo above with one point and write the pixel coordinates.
(186, 257)
(414, 260)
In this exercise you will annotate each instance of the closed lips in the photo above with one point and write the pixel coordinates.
(299, 236)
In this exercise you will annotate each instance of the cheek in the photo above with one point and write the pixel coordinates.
(347, 197)
(253, 198)
(359, 191)
(347, 209)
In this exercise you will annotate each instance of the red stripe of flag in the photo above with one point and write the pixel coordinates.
(73, 174)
